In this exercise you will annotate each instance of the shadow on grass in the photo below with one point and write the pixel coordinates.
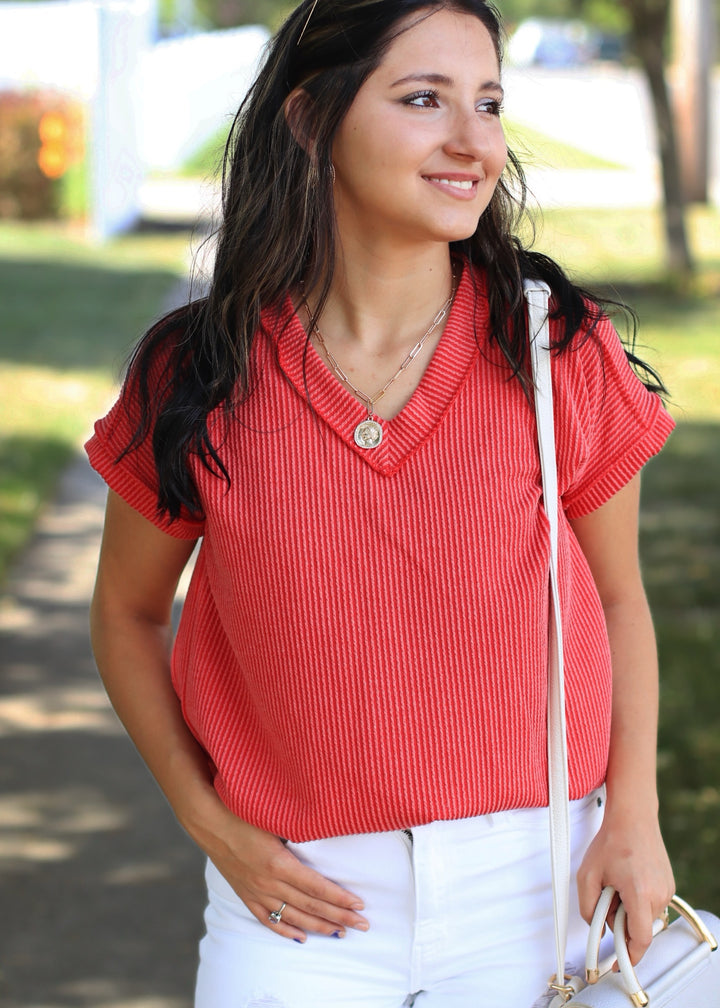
(30, 467)
(680, 548)
(102, 893)
(71, 315)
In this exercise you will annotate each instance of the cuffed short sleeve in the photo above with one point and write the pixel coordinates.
(609, 424)
(132, 474)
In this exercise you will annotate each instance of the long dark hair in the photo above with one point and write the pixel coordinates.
(278, 230)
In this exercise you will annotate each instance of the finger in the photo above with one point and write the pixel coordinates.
(588, 896)
(282, 927)
(291, 922)
(296, 921)
(316, 886)
(313, 901)
(611, 911)
(638, 930)
(636, 950)
(640, 937)
(309, 912)
(590, 889)
(326, 909)
(310, 893)
(590, 886)
(290, 919)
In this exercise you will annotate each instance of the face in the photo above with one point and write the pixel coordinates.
(421, 149)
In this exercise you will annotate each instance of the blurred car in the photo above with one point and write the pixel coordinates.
(611, 47)
(558, 44)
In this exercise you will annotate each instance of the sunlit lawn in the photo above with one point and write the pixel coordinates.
(537, 149)
(70, 313)
(620, 254)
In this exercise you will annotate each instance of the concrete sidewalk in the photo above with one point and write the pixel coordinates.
(101, 892)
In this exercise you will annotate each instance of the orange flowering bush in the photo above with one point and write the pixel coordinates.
(42, 139)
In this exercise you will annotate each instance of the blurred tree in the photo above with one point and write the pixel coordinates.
(648, 28)
(694, 49)
(647, 24)
(176, 17)
(649, 21)
(608, 14)
(230, 13)
(514, 11)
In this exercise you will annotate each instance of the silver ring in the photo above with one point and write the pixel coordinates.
(276, 915)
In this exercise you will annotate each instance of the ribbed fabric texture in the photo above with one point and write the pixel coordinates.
(363, 646)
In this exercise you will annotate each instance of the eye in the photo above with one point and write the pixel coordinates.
(490, 105)
(423, 99)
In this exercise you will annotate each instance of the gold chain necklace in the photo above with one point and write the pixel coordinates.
(369, 432)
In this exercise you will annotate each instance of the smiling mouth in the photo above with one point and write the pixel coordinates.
(462, 185)
(465, 184)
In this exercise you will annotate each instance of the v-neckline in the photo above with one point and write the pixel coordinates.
(457, 348)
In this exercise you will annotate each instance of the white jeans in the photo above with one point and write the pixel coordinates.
(460, 917)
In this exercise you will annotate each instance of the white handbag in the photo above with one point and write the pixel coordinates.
(681, 968)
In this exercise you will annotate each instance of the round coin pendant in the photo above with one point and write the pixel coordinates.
(368, 434)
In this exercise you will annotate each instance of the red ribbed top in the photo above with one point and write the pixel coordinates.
(363, 645)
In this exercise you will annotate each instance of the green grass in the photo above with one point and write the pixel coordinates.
(541, 151)
(680, 547)
(70, 312)
(621, 255)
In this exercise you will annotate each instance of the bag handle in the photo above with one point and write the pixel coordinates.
(632, 985)
(537, 294)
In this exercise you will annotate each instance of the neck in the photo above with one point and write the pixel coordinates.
(382, 302)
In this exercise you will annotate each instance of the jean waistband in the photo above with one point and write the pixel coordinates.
(509, 819)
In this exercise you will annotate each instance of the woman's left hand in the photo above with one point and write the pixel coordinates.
(628, 854)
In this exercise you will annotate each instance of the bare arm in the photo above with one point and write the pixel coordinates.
(137, 578)
(628, 852)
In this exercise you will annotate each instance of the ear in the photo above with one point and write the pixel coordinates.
(299, 117)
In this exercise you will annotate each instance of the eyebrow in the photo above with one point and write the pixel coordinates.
(437, 78)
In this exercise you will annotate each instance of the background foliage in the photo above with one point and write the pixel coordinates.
(42, 149)
(606, 14)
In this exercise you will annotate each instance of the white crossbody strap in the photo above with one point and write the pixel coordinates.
(537, 294)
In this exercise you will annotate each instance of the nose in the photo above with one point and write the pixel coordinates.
(473, 137)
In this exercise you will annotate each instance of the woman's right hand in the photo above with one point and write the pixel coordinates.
(265, 874)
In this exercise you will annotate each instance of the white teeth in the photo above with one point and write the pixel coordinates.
(464, 184)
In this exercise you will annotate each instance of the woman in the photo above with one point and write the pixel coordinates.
(352, 725)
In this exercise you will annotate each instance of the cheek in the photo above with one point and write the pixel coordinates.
(365, 156)
(500, 154)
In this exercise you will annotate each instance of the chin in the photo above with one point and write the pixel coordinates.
(460, 230)
(457, 234)
(464, 235)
